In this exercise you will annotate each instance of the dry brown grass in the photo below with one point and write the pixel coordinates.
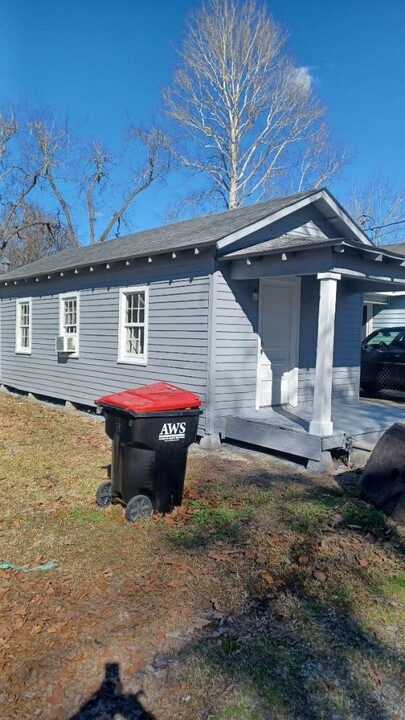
(270, 594)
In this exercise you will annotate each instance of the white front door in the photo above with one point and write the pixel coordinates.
(279, 313)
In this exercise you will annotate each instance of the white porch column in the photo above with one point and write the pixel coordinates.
(321, 423)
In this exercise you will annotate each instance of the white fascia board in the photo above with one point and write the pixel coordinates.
(343, 216)
(269, 220)
(377, 298)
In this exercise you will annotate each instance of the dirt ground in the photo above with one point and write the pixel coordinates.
(270, 594)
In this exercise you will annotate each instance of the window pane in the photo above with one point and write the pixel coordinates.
(135, 302)
(386, 336)
(23, 328)
(134, 340)
(134, 323)
(24, 337)
(70, 316)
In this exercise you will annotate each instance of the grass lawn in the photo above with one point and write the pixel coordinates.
(270, 594)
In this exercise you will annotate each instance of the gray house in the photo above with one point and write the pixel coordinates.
(258, 310)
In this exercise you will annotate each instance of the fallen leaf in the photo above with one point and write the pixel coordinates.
(319, 575)
(56, 627)
(219, 557)
(363, 563)
(57, 694)
(274, 539)
(176, 583)
(266, 577)
(37, 629)
(303, 559)
(201, 622)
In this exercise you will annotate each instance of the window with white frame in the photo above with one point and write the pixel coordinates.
(133, 325)
(69, 322)
(23, 325)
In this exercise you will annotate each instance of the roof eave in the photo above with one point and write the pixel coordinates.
(10, 278)
(338, 244)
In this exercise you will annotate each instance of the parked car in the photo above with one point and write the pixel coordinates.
(383, 360)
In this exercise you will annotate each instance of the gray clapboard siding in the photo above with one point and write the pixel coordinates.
(235, 342)
(390, 315)
(177, 347)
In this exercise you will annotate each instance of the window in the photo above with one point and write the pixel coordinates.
(385, 338)
(23, 325)
(69, 322)
(133, 329)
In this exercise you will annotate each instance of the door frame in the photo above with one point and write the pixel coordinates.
(294, 283)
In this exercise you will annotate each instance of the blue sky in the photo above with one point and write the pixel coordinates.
(97, 60)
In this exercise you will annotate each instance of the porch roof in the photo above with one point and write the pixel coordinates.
(369, 266)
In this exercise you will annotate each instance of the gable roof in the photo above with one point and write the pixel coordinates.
(195, 233)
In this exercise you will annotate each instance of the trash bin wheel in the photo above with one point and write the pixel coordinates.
(140, 506)
(104, 494)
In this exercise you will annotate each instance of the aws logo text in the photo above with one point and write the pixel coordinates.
(173, 431)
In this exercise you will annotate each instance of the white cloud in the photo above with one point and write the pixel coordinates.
(303, 78)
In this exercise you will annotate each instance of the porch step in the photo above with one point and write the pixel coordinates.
(273, 437)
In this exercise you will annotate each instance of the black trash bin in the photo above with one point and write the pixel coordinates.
(151, 428)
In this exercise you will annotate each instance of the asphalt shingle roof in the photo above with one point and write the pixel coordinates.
(198, 232)
(398, 248)
(285, 242)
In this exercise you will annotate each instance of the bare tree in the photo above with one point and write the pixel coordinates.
(249, 113)
(321, 159)
(152, 161)
(39, 234)
(20, 172)
(40, 164)
(97, 162)
(380, 209)
(53, 146)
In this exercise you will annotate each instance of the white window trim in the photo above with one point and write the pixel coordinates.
(18, 349)
(62, 333)
(122, 356)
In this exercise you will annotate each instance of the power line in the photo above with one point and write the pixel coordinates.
(380, 227)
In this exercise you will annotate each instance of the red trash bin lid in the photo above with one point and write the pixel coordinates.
(151, 398)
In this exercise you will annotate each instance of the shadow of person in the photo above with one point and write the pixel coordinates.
(109, 701)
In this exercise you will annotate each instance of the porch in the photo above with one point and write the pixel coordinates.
(286, 428)
(309, 343)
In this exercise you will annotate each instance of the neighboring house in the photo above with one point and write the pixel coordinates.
(258, 310)
(385, 309)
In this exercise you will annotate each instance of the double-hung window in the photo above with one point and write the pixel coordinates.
(69, 322)
(133, 325)
(23, 330)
